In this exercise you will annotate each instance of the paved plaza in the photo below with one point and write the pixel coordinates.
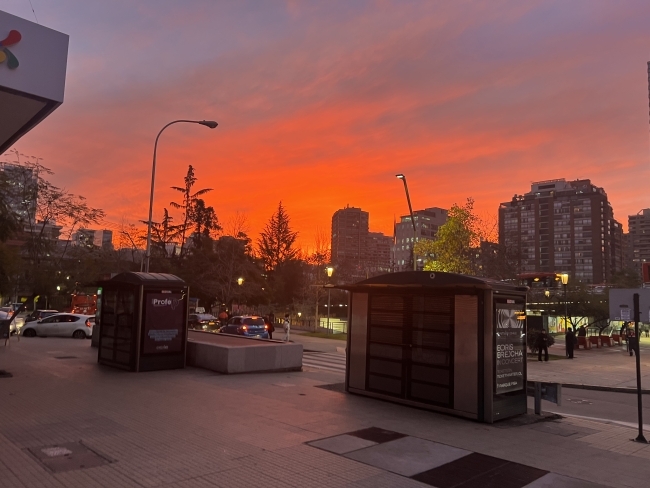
(68, 422)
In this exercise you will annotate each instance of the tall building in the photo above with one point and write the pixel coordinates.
(378, 257)
(563, 226)
(93, 238)
(349, 236)
(639, 239)
(427, 222)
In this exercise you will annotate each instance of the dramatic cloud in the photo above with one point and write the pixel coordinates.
(320, 104)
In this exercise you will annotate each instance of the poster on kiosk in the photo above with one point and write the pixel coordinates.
(510, 347)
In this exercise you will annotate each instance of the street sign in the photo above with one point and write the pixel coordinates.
(621, 303)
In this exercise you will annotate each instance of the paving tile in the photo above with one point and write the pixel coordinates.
(408, 456)
(342, 444)
(377, 435)
(552, 480)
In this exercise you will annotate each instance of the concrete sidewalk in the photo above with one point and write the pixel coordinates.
(609, 367)
(68, 422)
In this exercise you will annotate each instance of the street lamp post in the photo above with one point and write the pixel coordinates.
(565, 281)
(408, 199)
(208, 123)
(330, 271)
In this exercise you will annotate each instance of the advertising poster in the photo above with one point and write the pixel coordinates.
(164, 321)
(510, 347)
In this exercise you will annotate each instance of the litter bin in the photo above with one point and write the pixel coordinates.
(143, 322)
(440, 341)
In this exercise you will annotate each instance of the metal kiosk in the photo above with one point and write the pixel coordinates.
(440, 341)
(143, 322)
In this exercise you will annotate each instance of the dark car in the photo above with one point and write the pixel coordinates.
(202, 321)
(246, 325)
(39, 315)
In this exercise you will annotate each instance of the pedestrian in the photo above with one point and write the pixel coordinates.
(570, 340)
(223, 316)
(647, 330)
(582, 331)
(632, 343)
(287, 328)
(271, 327)
(542, 345)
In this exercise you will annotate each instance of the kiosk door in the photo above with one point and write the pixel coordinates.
(410, 344)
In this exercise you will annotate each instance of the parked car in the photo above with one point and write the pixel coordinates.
(61, 325)
(246, 325)
(39, 314)
(202, 321)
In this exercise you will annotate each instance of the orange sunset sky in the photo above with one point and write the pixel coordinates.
(320, 104)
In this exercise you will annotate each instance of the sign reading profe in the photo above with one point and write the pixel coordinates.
(163, 323)
(510, 348)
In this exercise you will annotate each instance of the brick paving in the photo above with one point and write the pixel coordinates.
(193, 428)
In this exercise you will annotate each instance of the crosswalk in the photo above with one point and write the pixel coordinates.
(330, 361)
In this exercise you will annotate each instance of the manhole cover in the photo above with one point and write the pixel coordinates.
(5, 374)
(65, 357)
(67, 457)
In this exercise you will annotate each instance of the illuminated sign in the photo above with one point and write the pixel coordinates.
(12, 38)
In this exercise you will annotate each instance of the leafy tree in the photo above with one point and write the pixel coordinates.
(452, 249)
(626, 278)
(205, 222)
(276, 242)
(188, 204)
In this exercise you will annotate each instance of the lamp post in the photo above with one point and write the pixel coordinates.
(408, 199)
(565, 281)
(208, 123)
(330, 271)
(240, 282)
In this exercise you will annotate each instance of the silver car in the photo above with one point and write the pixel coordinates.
(61, 325)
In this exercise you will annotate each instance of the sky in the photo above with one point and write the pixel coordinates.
(320, 104)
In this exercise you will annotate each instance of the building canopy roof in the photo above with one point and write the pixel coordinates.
(146, 279)
(428, 279)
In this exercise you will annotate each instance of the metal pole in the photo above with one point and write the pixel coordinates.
(329, 290)
(153, 180)
(566, 310)
(637, 350)
(408, 199)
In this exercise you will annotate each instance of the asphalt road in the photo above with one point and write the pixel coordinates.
(602, 405)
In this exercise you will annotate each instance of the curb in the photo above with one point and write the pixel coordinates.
(614, 389)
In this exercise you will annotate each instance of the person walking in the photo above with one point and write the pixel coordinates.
(542, 345)
(269, 324)
(570, 340)
(632, 342)
(287, 328)
(582, 331)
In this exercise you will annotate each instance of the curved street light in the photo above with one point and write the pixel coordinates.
(208, 123)
(415, 233)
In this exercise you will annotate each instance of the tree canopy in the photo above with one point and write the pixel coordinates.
(276, 242)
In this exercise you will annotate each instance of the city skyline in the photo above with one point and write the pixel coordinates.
(321, 106)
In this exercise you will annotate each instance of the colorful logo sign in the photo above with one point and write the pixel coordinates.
(5, 54)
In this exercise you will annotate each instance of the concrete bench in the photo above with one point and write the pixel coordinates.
(231, 354)
(606, 340)
(617, 339)
(594, 340)
(582, 341)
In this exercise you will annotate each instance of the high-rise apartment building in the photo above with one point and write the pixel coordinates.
(639, 239)
(379, 248)
(349, 236)
(427, 222)
(563, 227)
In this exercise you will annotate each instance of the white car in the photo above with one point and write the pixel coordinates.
(61, 325)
